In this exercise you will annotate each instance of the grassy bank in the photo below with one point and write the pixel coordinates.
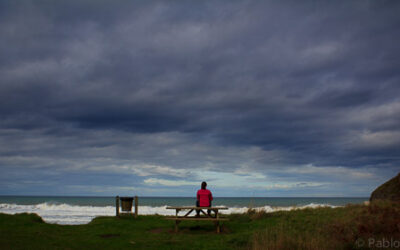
(322, 228)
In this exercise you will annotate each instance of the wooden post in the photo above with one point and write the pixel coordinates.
(136, 206)
(117, 205)
(176, 226)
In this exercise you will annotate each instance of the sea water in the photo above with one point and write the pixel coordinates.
(81, 210)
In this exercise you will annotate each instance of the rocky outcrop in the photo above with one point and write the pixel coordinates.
(389, 190)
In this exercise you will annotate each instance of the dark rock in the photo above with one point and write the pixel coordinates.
(389, 190)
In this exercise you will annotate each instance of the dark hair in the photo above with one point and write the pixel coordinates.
(203, 185)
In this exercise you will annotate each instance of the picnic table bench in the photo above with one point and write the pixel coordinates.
(206, 216)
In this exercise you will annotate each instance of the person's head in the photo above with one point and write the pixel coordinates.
(203, 185)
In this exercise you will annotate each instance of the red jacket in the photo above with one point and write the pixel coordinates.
(204, 197)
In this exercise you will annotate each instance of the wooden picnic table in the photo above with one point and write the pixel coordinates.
(206, 216)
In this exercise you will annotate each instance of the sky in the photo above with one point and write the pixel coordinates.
(150, 98)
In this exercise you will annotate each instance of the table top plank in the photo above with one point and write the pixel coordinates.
(199, 219)
(197, 208)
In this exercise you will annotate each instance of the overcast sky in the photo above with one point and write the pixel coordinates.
(149, 98)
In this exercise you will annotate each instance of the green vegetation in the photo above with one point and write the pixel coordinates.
(389, 190)
(321, 228)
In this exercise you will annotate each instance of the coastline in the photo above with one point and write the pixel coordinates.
(319, 228)
(81, 210)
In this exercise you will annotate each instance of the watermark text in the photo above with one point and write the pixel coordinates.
(378, 243)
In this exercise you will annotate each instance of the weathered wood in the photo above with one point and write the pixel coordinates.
(218, 227)
(191, 210)
(196, 218)
(208, 217)
(186, 208)
(126, 204)
(136, 206)
(117, 205)
(176, 225)
(201, 210)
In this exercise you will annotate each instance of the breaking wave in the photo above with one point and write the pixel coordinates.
(66, 214)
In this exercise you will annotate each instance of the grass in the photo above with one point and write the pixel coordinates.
(321, 228)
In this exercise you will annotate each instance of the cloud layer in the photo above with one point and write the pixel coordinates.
(274, 98)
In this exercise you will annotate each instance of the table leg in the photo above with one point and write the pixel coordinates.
(218, 227)
(177, 211)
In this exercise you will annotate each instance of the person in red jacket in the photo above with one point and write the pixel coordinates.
(204, 197)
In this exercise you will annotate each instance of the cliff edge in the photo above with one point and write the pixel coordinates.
(389, 190)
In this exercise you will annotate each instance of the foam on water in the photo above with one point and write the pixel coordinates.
(60, 213)
(66, 214)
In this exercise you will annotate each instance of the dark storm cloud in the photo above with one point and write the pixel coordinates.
(316, 82)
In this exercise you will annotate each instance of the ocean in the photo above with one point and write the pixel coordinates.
(81, 210)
